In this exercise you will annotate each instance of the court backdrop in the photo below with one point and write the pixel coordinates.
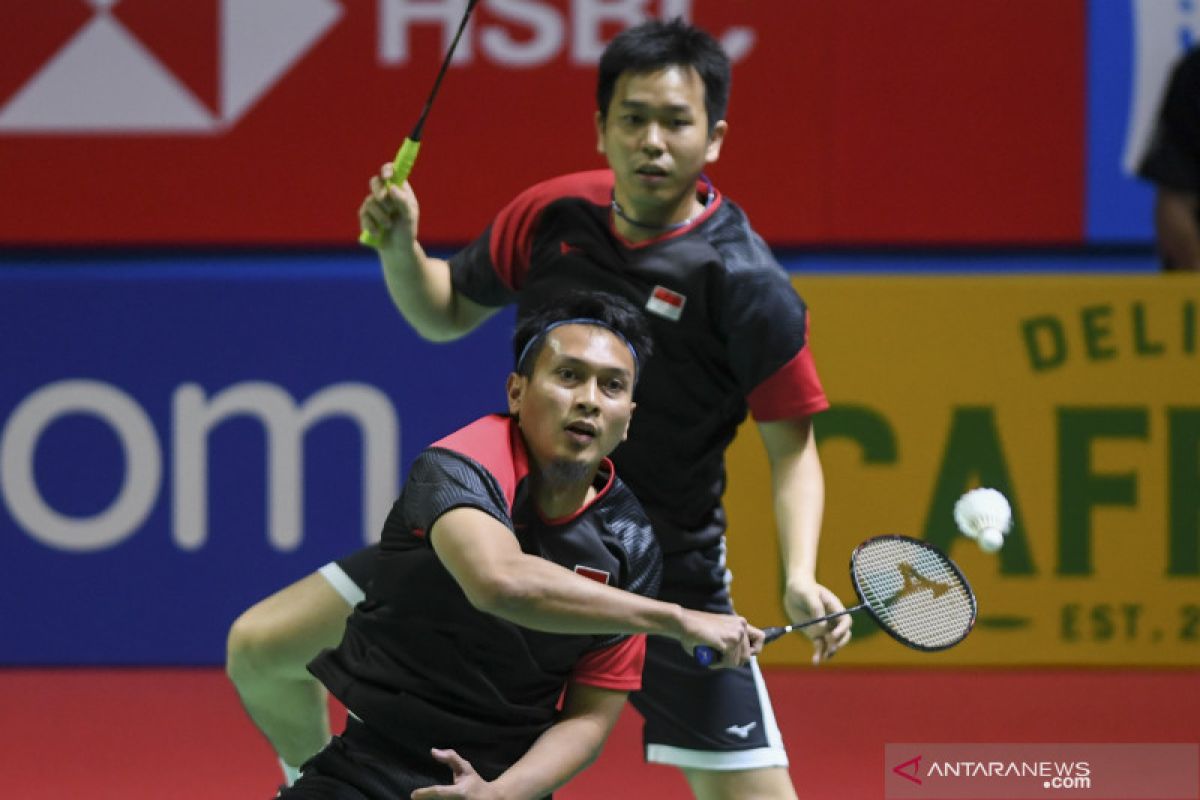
(1078, 397)
(260, 121)
(180, 437)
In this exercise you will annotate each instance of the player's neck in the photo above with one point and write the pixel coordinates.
(557, 499)
(638, 225)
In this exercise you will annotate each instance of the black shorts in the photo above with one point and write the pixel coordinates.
(351, 575)
(695, 717)
(360, 765)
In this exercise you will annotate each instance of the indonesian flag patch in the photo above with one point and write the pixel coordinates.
(598, 575)
(666, 303)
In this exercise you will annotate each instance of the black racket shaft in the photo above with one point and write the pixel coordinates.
(706, 655)
(437, 82)
(776, 631)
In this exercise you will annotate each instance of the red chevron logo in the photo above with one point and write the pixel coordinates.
(909, 770)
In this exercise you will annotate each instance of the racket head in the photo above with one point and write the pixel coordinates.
(914, 591)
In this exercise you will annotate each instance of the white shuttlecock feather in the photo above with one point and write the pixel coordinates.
(984, 515)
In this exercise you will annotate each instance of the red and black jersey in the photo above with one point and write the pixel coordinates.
(730, 332)
(423, 667)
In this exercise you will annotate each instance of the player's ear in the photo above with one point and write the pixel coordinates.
(716, 138)
(629, 419)
(515, 389)
(600, 133)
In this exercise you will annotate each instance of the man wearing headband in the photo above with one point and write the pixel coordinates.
(514, 565)
(731, 337)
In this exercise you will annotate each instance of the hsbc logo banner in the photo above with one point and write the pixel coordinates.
(259, 122)
(122, 71)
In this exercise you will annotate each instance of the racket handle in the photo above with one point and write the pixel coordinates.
(705, 655)
(406, 157)
(774, 632)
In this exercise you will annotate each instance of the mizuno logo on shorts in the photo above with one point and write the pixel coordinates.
(741, 731)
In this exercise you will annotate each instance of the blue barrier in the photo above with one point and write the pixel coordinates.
(182, 436)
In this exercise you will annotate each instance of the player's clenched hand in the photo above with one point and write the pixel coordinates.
(730, 635)
(390, 213)
(810, 601)
(467, 783)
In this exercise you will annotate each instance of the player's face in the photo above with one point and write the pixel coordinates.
(576, 406)
(656, 139)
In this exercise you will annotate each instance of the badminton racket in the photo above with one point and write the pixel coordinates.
(912, 589)
(406, 156)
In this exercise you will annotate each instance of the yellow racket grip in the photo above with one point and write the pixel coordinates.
(406, 156)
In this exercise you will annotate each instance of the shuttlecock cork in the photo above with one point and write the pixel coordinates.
(985, 516)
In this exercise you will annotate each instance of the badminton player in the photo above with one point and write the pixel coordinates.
(731, 336)
(474, 623)
(1172, 164)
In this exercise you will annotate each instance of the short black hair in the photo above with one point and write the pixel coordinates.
(656, 44)
(611, 311)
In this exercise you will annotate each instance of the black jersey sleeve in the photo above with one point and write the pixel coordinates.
(1173, 158)
(762, 319)
(493, 268)
(764, 325)
(473, 274)
(439, 481)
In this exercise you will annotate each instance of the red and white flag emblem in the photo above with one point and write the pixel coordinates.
(598, 575)
(666, 303)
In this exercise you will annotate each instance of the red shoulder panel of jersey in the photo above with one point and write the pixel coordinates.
(617, 667)
(793, 390)
(495, 442)
(513, 229)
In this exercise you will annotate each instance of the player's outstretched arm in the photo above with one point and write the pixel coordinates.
(566, 749)
(419, 284)
(798, 486)
(497, 577)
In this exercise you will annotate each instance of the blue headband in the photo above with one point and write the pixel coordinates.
(578, 321)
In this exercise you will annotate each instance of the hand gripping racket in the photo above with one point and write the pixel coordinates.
(911, 588)
(406, 156)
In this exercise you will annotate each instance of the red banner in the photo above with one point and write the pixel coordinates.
(259, 121)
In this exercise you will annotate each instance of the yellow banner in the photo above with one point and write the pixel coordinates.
(1078, 397)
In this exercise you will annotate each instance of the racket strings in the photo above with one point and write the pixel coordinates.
(915, 592)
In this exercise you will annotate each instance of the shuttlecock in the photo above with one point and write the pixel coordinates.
(985, 516)
(990, 540)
